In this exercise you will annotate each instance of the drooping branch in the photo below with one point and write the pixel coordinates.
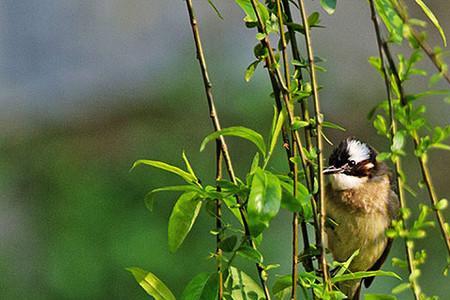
(218, 217)
(216, 123)
(421, 158)
(319, 144)
(409, 250)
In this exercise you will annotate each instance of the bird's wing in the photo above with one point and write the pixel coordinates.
(377, 265)
(393, 207)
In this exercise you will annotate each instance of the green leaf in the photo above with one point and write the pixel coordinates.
(328, 5)
(202, 287)
(379, 297)
(247, 7)
(260, 36)
(166, 167)
(238, 131)
(401, 287)
(183, 216)
(250, 70)
(255, 163)
(301, 203)
(242, 286)
(442, 204)
(188, 165)
(298, 123)
(314, 19)
(228, 243)
(149, 198)
(151, 284)
(264, 201)
(332, 125)
(398, 141)
(433, 20)
(282, 283)
(391, 19)
(360, 275)
(250, 253)
(275, 134)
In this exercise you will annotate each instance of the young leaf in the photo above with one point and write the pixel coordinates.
(332, 125)
(183, 216)
(391, 19)
(166, 167)
(282, 283)
(202, 287)
(247, 7)
(149, 198)
(250, 70)
(264, 201)
(188, 165)
(433, 20)
(242, 286)
(151, 284)
(360, 275)
(238, 131)
(228, 243)
(328, 5)
(250, 253)
(275, 134)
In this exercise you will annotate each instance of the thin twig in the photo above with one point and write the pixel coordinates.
(393, 129)
(421, 159)
(319, 120)
(307, 130)
(270, 64)
(219, 158)
(216, 123)
(403, 14)
(294, 270)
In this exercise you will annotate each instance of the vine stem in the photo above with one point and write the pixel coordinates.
(393, 129)
(223, 146)
(319, 120)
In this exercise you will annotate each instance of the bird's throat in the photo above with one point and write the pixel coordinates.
(341, 182)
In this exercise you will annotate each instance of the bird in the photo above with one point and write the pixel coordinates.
(360, 203)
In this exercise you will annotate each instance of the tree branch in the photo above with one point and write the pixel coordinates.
(216, 123)
(319, 120)
(393, 129)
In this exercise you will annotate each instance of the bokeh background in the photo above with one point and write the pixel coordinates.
(87, 87)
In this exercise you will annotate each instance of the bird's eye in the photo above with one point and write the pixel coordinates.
(351, 163)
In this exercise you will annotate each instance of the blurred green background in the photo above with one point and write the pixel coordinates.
(86, 88)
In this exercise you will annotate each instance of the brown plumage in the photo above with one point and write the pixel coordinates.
(361, 201)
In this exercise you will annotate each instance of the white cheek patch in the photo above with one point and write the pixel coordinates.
(357, 151)
(341, 182)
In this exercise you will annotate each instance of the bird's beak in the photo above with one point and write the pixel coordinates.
(332, 170)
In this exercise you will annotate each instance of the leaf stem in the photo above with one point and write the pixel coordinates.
(319, 120)
(216, 123)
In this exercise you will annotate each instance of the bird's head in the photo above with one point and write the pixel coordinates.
(351, 164)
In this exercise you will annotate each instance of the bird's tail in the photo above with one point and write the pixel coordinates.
(351, 288)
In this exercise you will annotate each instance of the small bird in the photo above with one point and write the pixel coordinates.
(361, 203)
